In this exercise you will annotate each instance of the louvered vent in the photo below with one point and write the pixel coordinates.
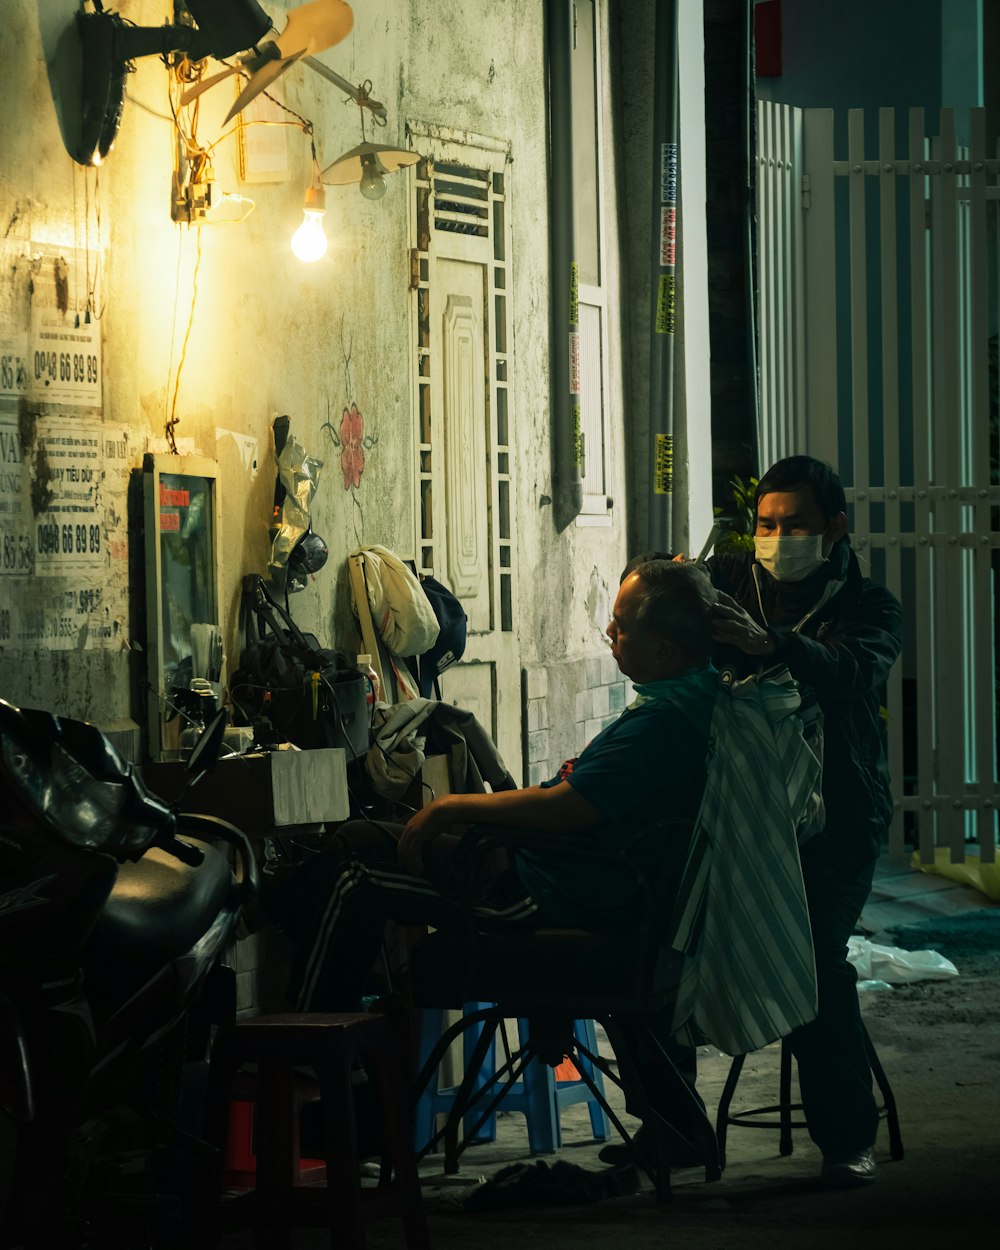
(461, 199)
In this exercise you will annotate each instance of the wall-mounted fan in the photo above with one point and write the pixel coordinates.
(310, 28)
(202, 28)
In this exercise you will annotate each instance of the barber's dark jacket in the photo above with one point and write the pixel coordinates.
(843, 652)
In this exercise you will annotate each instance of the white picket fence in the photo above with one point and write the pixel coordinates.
(879, 271)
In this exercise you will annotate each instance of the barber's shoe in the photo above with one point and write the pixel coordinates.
(849, 1172)
(617, 1154)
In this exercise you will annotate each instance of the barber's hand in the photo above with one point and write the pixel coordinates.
(735, 626)
(420, 830)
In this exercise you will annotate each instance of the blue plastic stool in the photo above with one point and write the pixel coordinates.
(538, 1096)
(433, 1100)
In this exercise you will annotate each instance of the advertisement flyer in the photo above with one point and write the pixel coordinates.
(63, 533)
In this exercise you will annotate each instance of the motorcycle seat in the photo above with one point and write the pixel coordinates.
(160, 907)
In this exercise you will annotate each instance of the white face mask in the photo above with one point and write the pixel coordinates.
(790, 558)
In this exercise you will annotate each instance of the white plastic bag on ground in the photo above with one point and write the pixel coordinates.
(892, 965)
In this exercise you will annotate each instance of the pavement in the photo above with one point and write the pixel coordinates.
(903, 896)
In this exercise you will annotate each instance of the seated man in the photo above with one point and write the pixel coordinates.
(335, 908)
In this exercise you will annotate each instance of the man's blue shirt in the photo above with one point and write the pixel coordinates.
(648, 763)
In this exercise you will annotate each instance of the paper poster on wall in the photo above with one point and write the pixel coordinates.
(14, 269)
(64, 357)
(13, 362)
(63, 532)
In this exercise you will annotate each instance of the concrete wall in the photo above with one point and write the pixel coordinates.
(228, 330)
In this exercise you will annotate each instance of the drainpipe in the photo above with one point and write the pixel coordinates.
(750, 235)
(665, 241)
(567, 450)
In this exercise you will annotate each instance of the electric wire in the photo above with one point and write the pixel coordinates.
(173, 420)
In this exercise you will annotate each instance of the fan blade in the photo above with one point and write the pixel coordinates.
(249, 63)
(315, 26)
(196, 89)
(259, 81)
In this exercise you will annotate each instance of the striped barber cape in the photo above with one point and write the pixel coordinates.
(741, 917)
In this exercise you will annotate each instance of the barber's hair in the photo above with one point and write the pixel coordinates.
(796, 472)
(678, 604)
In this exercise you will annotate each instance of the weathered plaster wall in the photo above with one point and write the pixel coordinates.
(224, 329)
(268, 335)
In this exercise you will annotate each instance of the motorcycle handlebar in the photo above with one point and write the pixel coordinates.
(181, 850)
(216, 827)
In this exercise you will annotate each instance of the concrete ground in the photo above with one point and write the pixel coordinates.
(939, 1042)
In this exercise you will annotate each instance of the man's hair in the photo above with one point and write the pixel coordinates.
(796, 472)
(643, 557)
(678, 604)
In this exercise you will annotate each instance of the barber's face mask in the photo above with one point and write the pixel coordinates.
(790, 558)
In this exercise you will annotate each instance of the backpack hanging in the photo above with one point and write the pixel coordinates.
(449, 646)
(289, 687)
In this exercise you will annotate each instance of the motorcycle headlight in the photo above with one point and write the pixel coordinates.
(84, 810)
(74, 780)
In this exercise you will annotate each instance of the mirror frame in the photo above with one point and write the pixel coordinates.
(154, 467)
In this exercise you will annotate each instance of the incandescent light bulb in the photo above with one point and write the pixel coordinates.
(309, 241)
(372, 183)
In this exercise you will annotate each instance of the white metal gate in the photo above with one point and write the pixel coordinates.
(878, 299)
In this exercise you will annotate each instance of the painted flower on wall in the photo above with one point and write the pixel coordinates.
(350, 438)
(352, 446)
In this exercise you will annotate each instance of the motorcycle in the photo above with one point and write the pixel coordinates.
(115, 913)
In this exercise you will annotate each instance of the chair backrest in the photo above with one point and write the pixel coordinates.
(598, 972)
(658, 853)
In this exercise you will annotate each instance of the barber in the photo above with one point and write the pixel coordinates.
(800, 600)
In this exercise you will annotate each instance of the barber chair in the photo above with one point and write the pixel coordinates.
(554, 977)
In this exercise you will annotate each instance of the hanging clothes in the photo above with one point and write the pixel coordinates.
(404, 734)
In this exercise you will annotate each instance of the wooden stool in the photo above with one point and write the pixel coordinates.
(239, 1168)
(784, 1107)
(331, 1045)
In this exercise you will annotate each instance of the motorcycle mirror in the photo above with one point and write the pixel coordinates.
(203, 755)
(206, 750)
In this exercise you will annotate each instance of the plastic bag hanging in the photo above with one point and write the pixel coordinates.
(296, 550)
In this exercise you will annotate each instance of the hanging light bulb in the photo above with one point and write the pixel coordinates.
(372, 183)
(368, 163)
(309, 241)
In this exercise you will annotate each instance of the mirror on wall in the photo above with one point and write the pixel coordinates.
(184, 637)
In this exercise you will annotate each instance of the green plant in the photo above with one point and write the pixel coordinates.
(737, 522)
